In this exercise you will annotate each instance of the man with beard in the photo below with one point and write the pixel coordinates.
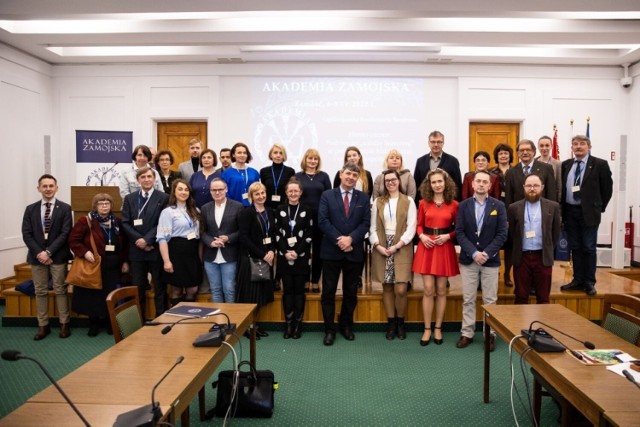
(534, 224)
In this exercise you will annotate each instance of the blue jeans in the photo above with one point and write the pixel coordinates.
(222, 280)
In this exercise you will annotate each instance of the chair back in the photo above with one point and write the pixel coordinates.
(621, 316)
(125, 313)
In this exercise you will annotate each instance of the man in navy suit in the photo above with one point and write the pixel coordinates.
(45, 228)
(437, 158)
(587, 188)
(481, 229)
(140, 214)
(343, 217)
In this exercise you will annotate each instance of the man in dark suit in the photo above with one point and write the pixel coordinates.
(481, 229)
(437, 158)
(140, 214)
(220, 239)
(191, 166)
(514, 179)
(587, 188)
(45, 228)
(534, 224)
(343, 217)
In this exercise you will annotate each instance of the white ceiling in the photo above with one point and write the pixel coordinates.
(577, 32)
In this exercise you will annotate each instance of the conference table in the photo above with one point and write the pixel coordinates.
(603, 397)
(123, 376)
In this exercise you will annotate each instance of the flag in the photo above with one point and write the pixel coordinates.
(588, 126)
(570, 139)
(555, 150)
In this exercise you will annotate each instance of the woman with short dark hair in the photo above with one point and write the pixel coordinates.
(239, 176)
(141, 157)
(163, 161)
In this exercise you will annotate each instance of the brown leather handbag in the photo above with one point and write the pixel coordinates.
(85, 274)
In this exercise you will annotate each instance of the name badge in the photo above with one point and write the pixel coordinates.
(575, 188)
(110, 248)
(191, 235)
(266, 241)
(292, 240)
(275, 198)
(46, 236)
(503, 194)
(137, 222)
(530, 234)
(245, 196)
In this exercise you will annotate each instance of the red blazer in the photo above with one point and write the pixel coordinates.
(467, 189)
(80, 242)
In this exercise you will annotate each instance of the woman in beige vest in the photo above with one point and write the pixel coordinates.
(393, 224)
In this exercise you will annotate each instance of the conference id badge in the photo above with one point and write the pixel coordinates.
(46, 236)
(530, 234)
(275, 198)
(575, 188)
(137, 222)
(245, 196)
(110, 248)
(191, 235)
(292, 240)
(503, 194)
(266, 241)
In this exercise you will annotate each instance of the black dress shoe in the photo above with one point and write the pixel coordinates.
(347, 333)
(43, 331)
(261, 332)
(590, 290)
(572, 286)
(424, 343)
(329, 338)
(438, 341)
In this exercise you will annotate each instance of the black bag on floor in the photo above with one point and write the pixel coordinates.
(254, 398)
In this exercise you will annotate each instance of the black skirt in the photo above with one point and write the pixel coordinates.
(187, 267)
(93, 302)
(260, 293)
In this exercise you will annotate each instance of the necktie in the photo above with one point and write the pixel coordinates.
(47, 218)
(346, 203)
(146, 195)
(577, 172)
(526, 170)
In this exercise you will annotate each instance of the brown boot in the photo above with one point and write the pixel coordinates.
(43, 331)
(65, 330)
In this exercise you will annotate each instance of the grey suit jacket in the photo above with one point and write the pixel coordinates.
(550, 212)
(150, 216)
(33, 233)
(186, 169)
(229, 226)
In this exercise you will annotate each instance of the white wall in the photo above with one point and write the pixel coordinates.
(136, 97)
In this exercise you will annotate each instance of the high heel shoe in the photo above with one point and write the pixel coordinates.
(436, 340)
(424, 343)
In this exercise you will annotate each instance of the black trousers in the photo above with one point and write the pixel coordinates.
(293, 296)
(330, 274)
(139, 277)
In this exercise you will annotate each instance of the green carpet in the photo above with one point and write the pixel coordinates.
(367, 382)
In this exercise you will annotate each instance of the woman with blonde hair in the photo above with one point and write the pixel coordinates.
(276, 176)
(394, 161)
(393, 225)
(435, 257)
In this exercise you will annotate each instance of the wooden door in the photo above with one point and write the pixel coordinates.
(485, 136)
(175, 137)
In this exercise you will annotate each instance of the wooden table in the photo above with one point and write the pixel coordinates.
(592, 390)
(126, 373)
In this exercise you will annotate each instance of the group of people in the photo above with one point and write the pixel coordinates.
(235, 223)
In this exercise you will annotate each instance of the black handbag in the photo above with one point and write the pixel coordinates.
(254, 398)
(260, 270)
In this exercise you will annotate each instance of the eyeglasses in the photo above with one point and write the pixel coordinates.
(103, 203)
(217, 190)
(390, 181)
(436, 142)
(530, 186)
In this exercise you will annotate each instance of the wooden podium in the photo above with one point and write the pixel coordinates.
(81, 197)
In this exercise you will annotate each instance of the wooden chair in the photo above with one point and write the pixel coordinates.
(621, 316)
(125, 313)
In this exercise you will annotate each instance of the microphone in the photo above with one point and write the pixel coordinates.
(168, 328)
(228, 329)
(587, 344)
(148, 415)
(105, 172)
(629, 376)
(14, 355)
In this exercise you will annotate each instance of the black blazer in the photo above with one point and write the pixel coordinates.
(334, 223)
(148, 230)
(229, 226)
(448, 163)
(302, 231)
(596, 188)
(266, 177)
(550, 212)
(33, 232)
(514, 181)
(168, 182)
(252, 235)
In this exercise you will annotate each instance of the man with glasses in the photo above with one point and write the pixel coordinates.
(586, 190)
(514, 178)
(220, 239)
(437, 158)
(534, 224)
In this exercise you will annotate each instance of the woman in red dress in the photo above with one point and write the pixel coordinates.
(435, 257)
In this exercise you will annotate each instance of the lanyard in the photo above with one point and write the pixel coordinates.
(264, 221)
(243, 173)
(184, 214)
(526, 206)
(292, 221)
(107, 231)
(276, 182)
(141, 209)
